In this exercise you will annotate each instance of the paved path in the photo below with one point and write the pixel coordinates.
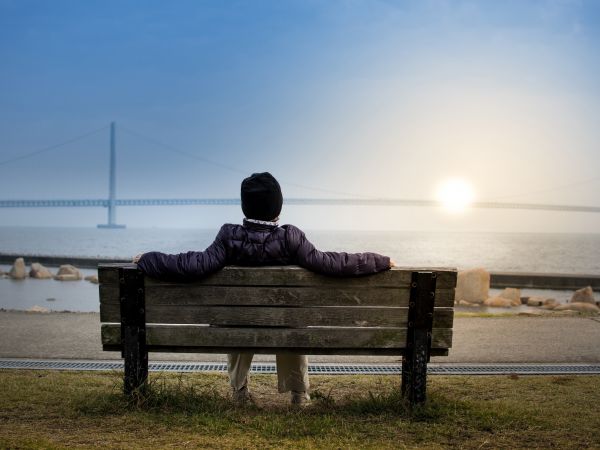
(476, 340)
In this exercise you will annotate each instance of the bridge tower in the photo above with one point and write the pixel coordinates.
(112, 183)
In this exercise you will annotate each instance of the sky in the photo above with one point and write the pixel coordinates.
(354, 98)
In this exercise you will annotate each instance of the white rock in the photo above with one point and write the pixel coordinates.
(38, 309)
(473, 285)
(92, 279)
(18, 270)
(578, 306)
(67, 277)
(67, 272)
(498, 302)
(584, 295)
(39, 271)
(512, 294)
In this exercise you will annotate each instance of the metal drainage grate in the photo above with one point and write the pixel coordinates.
(316, 369)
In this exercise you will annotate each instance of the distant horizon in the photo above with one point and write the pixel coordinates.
(338, 230)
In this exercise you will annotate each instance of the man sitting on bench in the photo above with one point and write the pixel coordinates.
(260, 241)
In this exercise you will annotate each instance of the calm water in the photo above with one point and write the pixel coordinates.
(566, 253)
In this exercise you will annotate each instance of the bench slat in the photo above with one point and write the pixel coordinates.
(293, 276)
(275, 338)
(197, 294)
(298, 317)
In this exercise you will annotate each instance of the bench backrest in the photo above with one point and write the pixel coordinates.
(285, 308)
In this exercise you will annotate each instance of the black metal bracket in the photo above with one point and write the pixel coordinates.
(418, 336)
(133, 327)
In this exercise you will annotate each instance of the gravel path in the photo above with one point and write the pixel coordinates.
(476, 340)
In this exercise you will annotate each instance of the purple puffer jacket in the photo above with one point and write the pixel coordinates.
(252, 244)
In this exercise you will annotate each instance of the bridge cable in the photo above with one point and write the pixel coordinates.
(235, 169)
(52, 147)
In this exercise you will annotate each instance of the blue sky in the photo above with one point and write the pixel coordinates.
(373, 98)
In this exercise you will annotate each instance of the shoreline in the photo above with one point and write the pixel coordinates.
(499, 279)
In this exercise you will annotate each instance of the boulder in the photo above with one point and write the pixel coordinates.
(67, 272)
(535, 301)
(40, 272)
(584, 295)
(551, 302)
(38, 309)
(578, 306)
(473, 285)
(67, 277)
(498, 302)
(92, 279)
(18, 270)
(512, 294)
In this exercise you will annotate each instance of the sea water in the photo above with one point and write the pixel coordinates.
(514, 252)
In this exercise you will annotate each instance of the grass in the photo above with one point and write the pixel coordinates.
(46, 409)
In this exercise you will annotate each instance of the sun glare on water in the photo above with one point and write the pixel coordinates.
(455, 194)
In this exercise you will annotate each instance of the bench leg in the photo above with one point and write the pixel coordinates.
(418, 336)
(133, 329)
(414, 370)
(136, 361)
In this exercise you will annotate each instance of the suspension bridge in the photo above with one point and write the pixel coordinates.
(112, 202)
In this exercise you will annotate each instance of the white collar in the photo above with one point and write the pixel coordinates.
(262, 222)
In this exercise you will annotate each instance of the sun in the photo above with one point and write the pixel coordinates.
(455, 194)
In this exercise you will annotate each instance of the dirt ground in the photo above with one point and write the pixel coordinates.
(476, 340)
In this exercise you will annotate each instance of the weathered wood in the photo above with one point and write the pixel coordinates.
(292, 276)
(419, 337)
(195, 294)
(270, 351)
(296, 317)
(133, 329)
(248, 338)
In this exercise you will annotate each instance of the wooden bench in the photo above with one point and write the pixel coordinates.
(406, 312)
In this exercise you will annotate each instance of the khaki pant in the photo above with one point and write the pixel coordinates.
(292, 371)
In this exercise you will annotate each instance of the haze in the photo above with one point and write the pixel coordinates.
(335, 98)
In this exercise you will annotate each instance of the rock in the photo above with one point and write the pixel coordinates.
(584, 295)
(578, 306)
(18, 271)
(473, 285)
(67, 277)
(535, 301)
(38, 309)
(512, 294)
(92, 279)
(67, 272)
(40, 272)
(551, 302)
(469, 304)
(498, 302)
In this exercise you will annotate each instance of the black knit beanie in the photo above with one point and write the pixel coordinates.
(261, 197)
